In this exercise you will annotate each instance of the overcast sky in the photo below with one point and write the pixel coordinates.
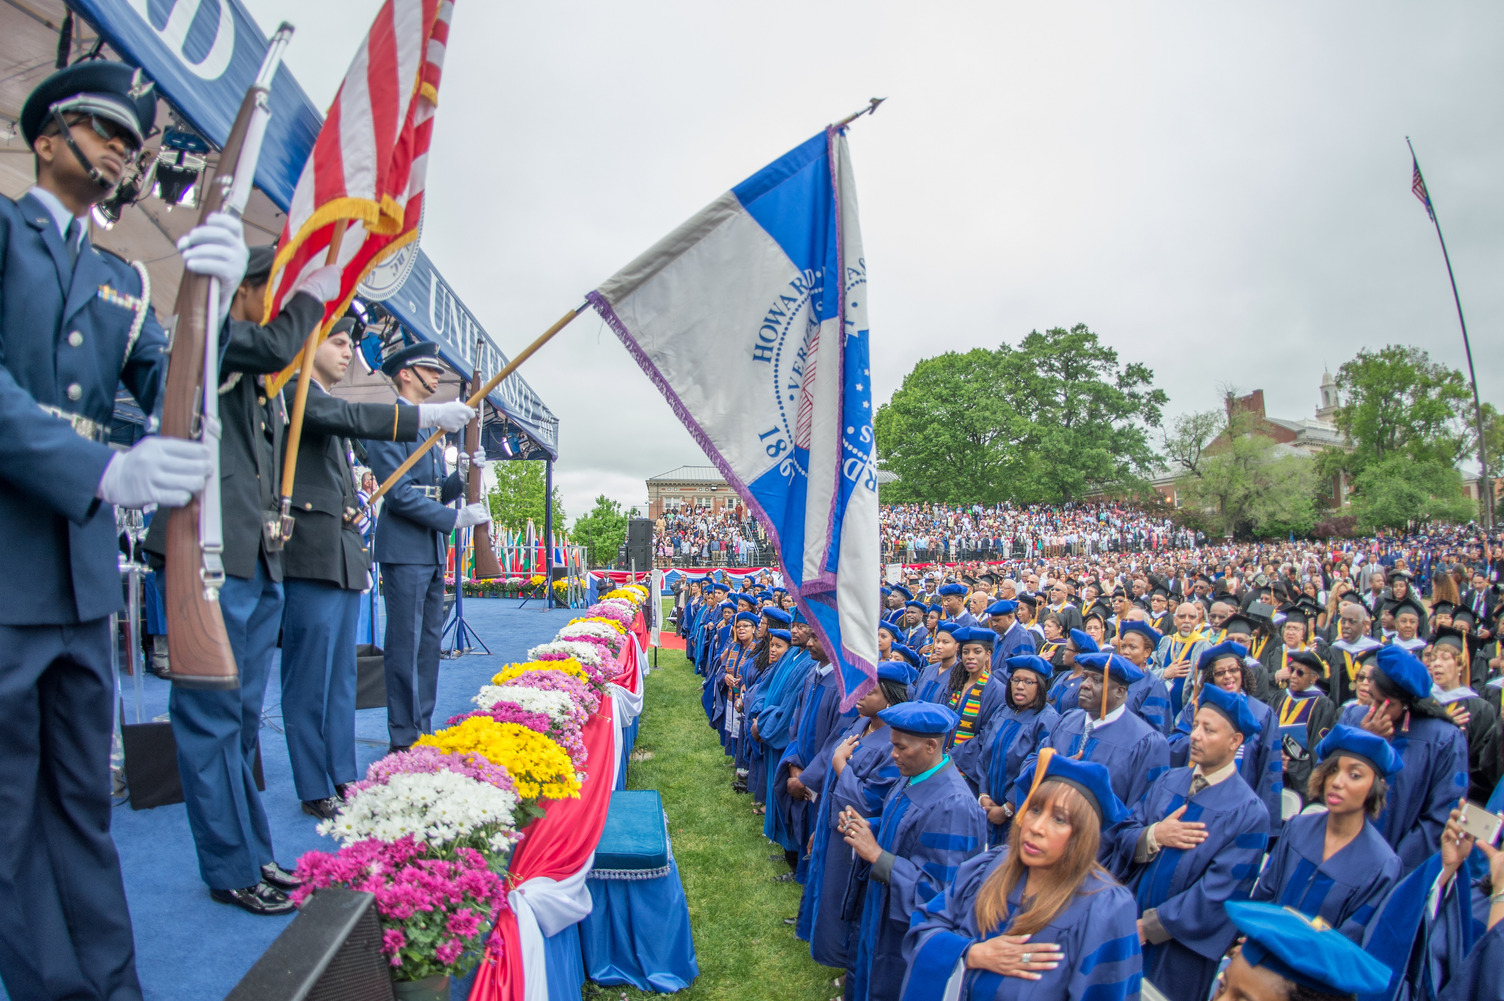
(1221, 193)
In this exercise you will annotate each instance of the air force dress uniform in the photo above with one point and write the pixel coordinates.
(75, 325)
(328, 566)
(411, 548)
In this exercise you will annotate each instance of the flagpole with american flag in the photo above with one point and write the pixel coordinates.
(1485, 484)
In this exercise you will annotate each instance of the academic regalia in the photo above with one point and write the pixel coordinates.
(1150, 701)
(1097, 934)
(932, 683)
(1422, 795)
(993, 761)
(1480, 977)
(1187, 888)
(734, 660)
(993, 698)
(1343, 662)
(1422, 951)
(1482, 732)
(775, 725)
(1177, 649)
(815, 722)
(1064, 691)
(1345, 890)
(1134, 753)
(1302, 717)
(930, 827)
(863, 785)
(1260, 763)
(1015, 641)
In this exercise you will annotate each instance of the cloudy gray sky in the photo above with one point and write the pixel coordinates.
(1221, 192)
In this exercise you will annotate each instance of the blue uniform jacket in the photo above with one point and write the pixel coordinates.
(67, 344)
(412, 527)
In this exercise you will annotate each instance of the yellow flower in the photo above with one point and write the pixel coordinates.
(512, 672)
(539, 767)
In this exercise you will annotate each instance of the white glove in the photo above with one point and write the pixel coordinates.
(216, 247)
(471, 515)
(322, 284)
(476, 460)
(452, 416)
(165, 471)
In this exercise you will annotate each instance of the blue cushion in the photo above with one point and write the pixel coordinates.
(634, 835)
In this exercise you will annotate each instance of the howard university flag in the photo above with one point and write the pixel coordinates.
(751, 319)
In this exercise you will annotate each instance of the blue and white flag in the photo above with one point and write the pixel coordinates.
(751, 318)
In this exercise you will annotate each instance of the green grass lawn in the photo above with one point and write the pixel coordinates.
(745, 951)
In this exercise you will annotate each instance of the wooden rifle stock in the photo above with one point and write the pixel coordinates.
(198, 648)
(487, 566)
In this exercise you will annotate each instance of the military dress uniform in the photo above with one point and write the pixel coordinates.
(411, 536)
(217, 731)
(328, 566)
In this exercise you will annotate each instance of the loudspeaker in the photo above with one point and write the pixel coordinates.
(639, 544)
(370, 677)
(151, 765)
(330, 952)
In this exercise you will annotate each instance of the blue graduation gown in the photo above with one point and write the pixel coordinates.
(1015, 641)
(1345, 890)
(993, 759)
(1260, 762)
(1134, 753)
(931, 828)
(1422, 794)
(774, 725)
(864, 784)
(815, 723)
(1150, 700)
(1097, 934)
(931, 684)
(1422, 953)
(1481, 975)
(1187, 888)
(1064, 691)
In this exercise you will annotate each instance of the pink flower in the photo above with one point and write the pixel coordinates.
(392, 940)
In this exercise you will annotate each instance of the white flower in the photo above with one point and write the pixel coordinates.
(585, 653)
(598, 630)
(557, 706)
(436, 808)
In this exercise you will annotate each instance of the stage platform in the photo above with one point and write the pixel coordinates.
(188, 946)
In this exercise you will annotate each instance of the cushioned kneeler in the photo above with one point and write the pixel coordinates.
(638, 929)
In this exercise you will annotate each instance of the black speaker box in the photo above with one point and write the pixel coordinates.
(151, 765)
(330, 952)
(639, 532)
(370, 677)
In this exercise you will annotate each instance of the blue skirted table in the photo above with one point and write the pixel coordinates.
(638, 929)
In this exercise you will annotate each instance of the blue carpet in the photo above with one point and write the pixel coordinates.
(188, 946)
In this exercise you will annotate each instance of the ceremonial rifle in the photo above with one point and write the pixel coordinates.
(198, 647)
(487, 566)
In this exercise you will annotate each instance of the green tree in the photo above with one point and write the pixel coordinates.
(517, 495)
(1049, 421)
(601, 531)
(1398, 492)
(1240, 476)
(1397, 402)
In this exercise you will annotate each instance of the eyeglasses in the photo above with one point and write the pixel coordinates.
(109, 131)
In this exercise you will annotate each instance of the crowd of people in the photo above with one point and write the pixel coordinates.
(1241, 771)
(699, 535)
(946, 533)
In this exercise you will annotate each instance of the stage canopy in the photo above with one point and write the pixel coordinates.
(203, 54)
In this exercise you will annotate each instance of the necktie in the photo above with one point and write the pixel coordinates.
(1086, 735)
(1197, 784)
(70, 239)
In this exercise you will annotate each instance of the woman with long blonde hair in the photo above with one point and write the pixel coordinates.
(1036, 917)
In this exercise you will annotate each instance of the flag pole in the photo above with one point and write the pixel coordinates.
(474, 401)
(1485, 485)
(300, 400)
(871, 108)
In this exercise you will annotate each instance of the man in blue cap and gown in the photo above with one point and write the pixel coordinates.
(1012, 637)
(953, 602)
(1194, 842)
(412, 545)
(929, 825)
(1148, 696)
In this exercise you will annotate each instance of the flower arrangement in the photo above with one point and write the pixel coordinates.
(539, 766)
(516, 583)
(611, 610)
(561, 709)
(593, 632)
(444, 810)
(613, 624)
(570, 667)
(434, 913)
(587, 654)
(545, 678)
(566, 734)
(429, 759)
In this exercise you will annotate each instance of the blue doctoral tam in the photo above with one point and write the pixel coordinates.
(954, 628)
(974, 634)
(1089, 778)
(909, 654)
(1233, 705)
(1372, 749)
(1119, 668)
(1003, 607)
(782, 634)
(745, 617)
(1405, 669)
(1031, 662)
(1227, 648)
(1083, 641)
(1135, 626)
(777, 614)
(895, 670)
(952, 590)
(1305, 950)
(926, 719)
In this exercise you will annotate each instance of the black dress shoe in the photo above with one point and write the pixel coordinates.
(339, 790)
(259, 899)
(398, 748)
(785, 877)
(279, 877)
(324, 809)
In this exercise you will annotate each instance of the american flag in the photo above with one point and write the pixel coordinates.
(1418, 185)
(368, 165)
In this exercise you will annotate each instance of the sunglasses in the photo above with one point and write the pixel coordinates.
(109, 130)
